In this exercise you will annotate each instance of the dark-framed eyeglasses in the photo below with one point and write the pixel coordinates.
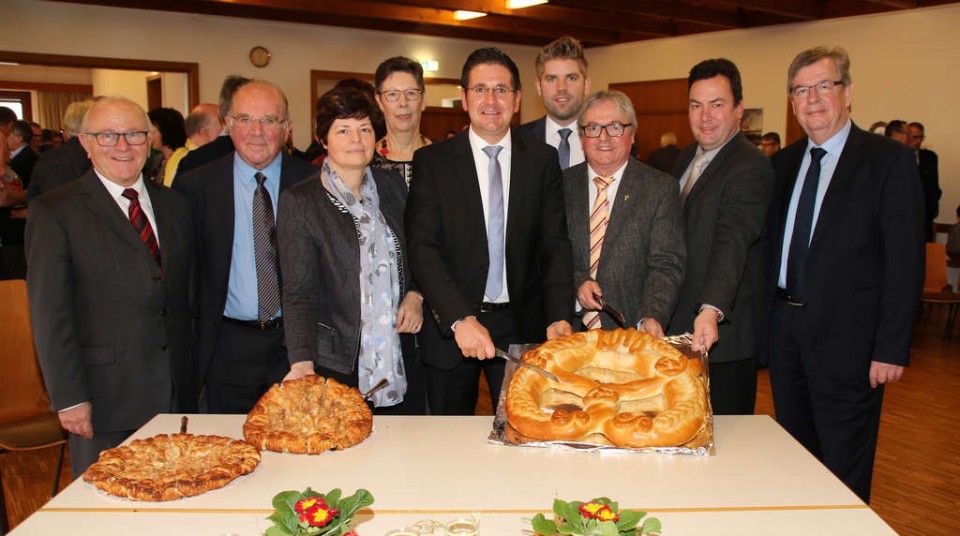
(499, 92)
(822, 88)
(111, 139)
(614, 130)
(409, 95)
(268, 122)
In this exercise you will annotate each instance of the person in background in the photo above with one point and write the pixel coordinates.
(879, 128)
(7, 118)
(240, 347)
(468, 193)
(20, 159)
(109, 279)
(929, 165)
(37, 132)
(202, 126)
(347, 320)
(23, 157)
(845, 274)
(223, 145)
(401, 98)
(770, 143)
(562, 83)
(897, 130)
(169, 135)
(665, 157)
(624, 221)
(67, 162)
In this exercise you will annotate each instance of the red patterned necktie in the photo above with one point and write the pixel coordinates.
(140, 222)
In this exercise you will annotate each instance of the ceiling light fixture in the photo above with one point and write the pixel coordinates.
(520, 4)
(467, 15)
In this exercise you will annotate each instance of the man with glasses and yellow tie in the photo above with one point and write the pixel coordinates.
(110, 259)
(240, 346)
(624, 223)
(487, 240)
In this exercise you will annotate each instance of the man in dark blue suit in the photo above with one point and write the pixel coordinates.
(563, 84)
(845, 274)
(240, 345)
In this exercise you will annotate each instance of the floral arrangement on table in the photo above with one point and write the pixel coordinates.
(310, 513)
(597, 517)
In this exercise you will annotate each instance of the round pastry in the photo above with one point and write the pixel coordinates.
(169, 467)
(621, 387)
(308, 416)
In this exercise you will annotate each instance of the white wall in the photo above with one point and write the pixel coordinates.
(130, 84)
(175, 92)
(904, 66)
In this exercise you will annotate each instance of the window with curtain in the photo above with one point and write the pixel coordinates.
(51, 106)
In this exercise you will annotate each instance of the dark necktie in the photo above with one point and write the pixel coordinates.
(564, 148)
(140, 222)
(265, 252)
(803, 225)
(495, 220)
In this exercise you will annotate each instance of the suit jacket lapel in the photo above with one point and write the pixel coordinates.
(683, 161)
(628, 193)
(167, 235)
(711, 169)
(578, 222)
(466, 173)
(220, 202)
(519, 179)
(850, 157)
(98, 200)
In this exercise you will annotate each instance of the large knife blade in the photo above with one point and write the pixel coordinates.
(522, 363)
(616, 315)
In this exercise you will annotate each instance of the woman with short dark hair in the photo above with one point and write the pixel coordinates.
(348, 307)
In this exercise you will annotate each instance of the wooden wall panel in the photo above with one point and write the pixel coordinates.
(661, 106)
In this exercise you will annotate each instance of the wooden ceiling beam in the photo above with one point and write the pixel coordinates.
(675, 11)
(796, 9)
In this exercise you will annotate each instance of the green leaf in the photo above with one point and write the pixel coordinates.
(286, 501)
(651, 524)
(608, 528)
(277, 531)
(568, 511)
(542, 525)
(629, 519)
(332, 498)
(349, 506)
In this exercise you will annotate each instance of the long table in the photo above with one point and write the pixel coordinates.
(759, 481)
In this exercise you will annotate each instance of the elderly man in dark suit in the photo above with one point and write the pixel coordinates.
(240, 347)
(846, 271)
(928, 162)
(562, 83)
(110, 261)
(624, 222)
(726, 184)
(487, 240)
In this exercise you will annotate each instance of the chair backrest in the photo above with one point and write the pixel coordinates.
(22, 393)
(936, 277)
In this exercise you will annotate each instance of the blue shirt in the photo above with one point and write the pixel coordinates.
(833, 147)
(242, 299)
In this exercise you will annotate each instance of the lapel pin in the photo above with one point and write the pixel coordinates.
(626, 197)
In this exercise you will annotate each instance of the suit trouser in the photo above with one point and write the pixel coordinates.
(455, 391)
(733, 387)
(836, 418)
(246, 362)
(85, 452)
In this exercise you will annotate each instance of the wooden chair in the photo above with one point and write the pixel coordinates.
(26, 420)
(933, 287)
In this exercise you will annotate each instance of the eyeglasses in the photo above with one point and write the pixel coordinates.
(482, 91)
(614, 130)
(920, 137)
(268, 122)
(409, 95)
(822, 88)
(111, 139)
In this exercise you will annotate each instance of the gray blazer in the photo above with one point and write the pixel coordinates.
(108, 327)
(320, 263)
(724, 215)
(642, 261)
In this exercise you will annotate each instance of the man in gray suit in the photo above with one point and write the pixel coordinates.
(726, 185)
(110, 260)
(636, 260)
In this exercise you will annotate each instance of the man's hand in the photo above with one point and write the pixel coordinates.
(652, 327)
(78, 420)
(705, 330)
(410, 313)
(474, 339)
(588, 295)
(883, 373)
(300, 369)
(560, 328)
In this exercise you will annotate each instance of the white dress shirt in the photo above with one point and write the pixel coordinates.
(552, 137)
(482, 162)
(116, 192)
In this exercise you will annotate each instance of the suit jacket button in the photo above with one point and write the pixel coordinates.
(165, 347)
(163, 312)
(157, 278)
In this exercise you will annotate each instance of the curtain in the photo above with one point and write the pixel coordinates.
(51, 106)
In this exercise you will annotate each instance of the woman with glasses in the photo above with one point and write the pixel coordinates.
(348, 307)
(400, 95)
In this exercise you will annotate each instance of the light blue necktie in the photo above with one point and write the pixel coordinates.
(564, 148)
(494, 224)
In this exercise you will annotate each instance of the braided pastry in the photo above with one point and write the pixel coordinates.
(621, 387)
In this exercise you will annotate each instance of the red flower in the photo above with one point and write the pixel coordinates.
(606, 514)
(305, 504)
(589, 510)
(319, 515)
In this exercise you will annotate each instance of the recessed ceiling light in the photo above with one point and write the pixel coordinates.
(520, 4)
(467, 15)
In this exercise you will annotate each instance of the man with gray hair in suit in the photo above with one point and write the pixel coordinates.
(624, 221)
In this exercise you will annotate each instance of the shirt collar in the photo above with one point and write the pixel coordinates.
(246, 172)
(836, 142)
(617, 175)
(713, 152)
(477, 143)
(116, 190)
(553, 126)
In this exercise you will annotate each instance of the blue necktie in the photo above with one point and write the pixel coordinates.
(564, 148)
(495, 220)
(803, 225)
